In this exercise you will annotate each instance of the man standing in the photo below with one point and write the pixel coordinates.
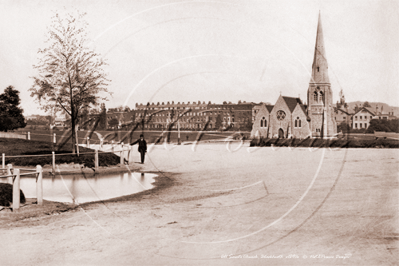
(142, 146)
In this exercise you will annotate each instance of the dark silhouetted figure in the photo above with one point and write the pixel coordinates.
(142, 146)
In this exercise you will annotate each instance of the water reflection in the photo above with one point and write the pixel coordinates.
(87, 188)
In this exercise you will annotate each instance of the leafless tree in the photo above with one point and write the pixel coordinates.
(70, 75)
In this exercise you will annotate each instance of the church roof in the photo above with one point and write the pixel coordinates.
(303, 108)
(292, 102)
(269, 108)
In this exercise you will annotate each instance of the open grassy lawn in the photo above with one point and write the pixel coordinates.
(25, 153)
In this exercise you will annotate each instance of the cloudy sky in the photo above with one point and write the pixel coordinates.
(223, 50)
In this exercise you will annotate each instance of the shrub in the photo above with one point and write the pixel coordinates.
(383, 125)
(335, 143)
(6, 195)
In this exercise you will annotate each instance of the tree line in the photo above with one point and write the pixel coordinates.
(11, 116)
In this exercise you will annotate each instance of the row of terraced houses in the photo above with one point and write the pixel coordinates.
(235, 116)
(193, 115)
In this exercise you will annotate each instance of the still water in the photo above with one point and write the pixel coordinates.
(87, 188)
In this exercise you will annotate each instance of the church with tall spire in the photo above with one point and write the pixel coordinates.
(289, 117)
(320, 97)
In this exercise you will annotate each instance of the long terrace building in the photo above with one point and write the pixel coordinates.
(196, 115)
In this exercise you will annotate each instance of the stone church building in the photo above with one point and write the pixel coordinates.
(289, 117)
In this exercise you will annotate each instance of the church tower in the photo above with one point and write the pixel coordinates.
(320, 98)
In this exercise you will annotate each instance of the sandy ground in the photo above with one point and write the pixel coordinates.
(248, 207)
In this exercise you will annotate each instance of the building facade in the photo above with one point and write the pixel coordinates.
(361, 119)
(194, 116)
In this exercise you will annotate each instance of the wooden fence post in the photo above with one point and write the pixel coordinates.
(128, 153)
(3, 161)
(39, 185)
(96, 160)
(54, 138)
(88, 142)
(9, 172)
(53, 163)
(112, 146)
(122, 160)
(15, 191)
(28, 135)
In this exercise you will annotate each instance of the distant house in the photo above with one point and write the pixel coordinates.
(362, 118)
(123, 116)
(60, 121)
(388, 116)
(341, 115)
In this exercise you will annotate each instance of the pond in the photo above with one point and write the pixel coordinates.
(87, 188)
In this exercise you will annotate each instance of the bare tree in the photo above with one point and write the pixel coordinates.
(70, 74)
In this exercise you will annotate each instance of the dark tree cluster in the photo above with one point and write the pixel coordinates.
(11, 116)
(383, 125)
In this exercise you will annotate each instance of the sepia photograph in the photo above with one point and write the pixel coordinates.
(199, 132)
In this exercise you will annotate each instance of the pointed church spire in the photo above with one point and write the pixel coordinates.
(320, 66)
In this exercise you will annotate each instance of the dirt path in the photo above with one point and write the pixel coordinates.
(275, 206)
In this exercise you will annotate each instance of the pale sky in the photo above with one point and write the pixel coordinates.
(225, 50)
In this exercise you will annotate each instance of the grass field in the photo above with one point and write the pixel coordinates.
(32, 152)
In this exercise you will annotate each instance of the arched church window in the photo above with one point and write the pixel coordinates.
(315, 96)
(318, 69)
(263, 122)
(298, 122)
(320, 96)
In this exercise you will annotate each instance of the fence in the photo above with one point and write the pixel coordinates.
(105, 137)
(383, 134)
(14, 174)
(113, 149)
(12, 135)
(14, 177)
